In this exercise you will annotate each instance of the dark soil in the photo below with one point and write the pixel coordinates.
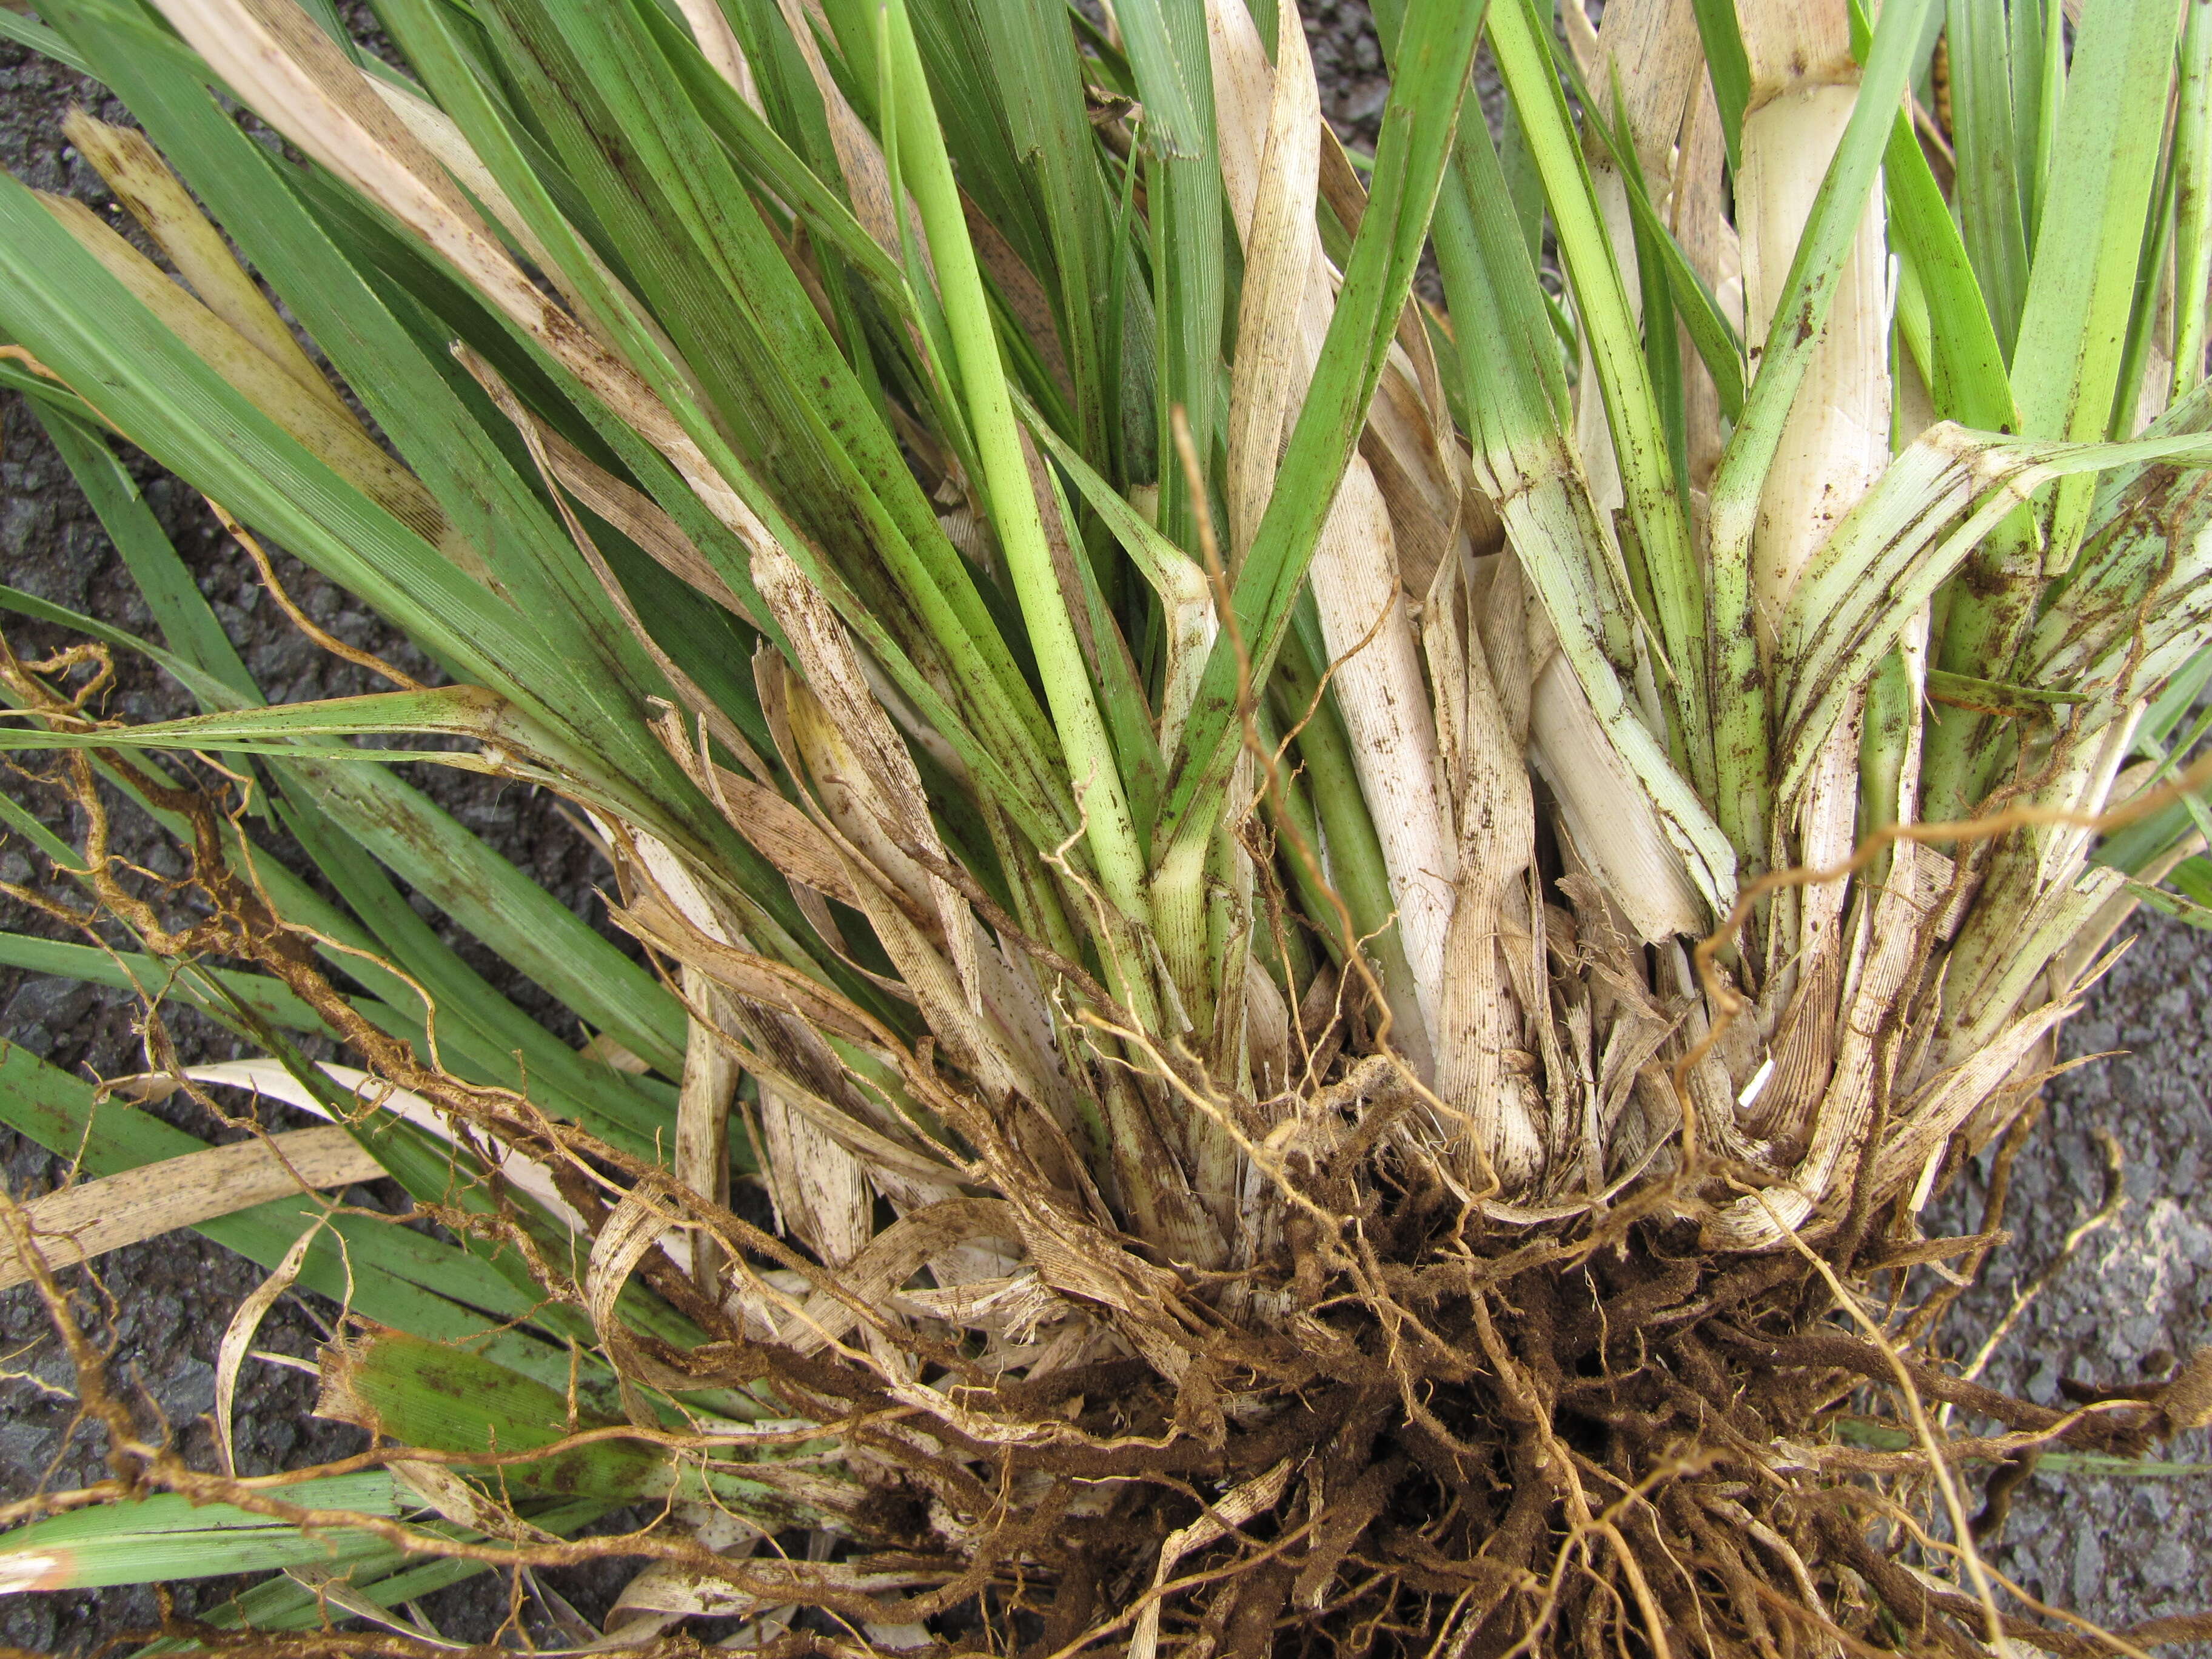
(2136, 1295)
(172, 1297)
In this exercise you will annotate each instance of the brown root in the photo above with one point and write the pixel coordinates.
(1410, 1426)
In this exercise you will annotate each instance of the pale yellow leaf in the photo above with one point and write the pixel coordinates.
(142, 181)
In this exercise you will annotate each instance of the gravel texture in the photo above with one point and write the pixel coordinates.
(2133, 1297)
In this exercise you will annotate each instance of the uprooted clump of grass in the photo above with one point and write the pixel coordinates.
(1347, 937)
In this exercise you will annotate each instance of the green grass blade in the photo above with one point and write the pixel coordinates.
(588, 667)
(1515, 392)
(391, 1274)
(760, 150)
(1729, 67)
(1357, 870)
(1030, 58)
(2039, 72)
(293, 900)
(2192, 879)
(1920, 521)
(149, 1540)
(1992, 194)
(1524, 185)
(2192, 221)
(1434, 59)
(476, 889)
(1996, 696)
(1114, 839)
(1656, 511)
(1740, 713)
(450, 1399)
(371, 1492)
(155, 979)
(477, 1028)
(211, 692)
(249, 1004)
(1968, 382)
(91, 332)
(385, 1578)
(1174, 73)
(2079, 304)
(2172, 705)
(744, 325)
(1011, 756)
(2081, 293)
(455, 711)
(186, 618)
(511, 913)
(2143, 319)
(27, 31)
(1720, 347)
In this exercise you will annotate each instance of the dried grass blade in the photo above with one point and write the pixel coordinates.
(1484, 1067)
(1835, 441)
(1409, 447)
(860, 158)
(1895, 924)
(275, 58)
(1607, 810)
(238, 1336)
(637, 515)
(1354, 574)
(894, 1256)
(269, 1078)
(718, 44)
(443, 1492)
(94, 1217)
(821, 1189)
(534, 434)
(703, 1115)
(636, 1226)
(834, 675)
(784, 835)
(1261, 1493)
(1281, 247)
(1368, 633)
(653, 919)
(1927, 1123)
(666, 1591)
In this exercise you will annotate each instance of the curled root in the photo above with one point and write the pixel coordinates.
(1411, 1427)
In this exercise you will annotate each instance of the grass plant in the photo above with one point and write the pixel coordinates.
(1347, 918)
